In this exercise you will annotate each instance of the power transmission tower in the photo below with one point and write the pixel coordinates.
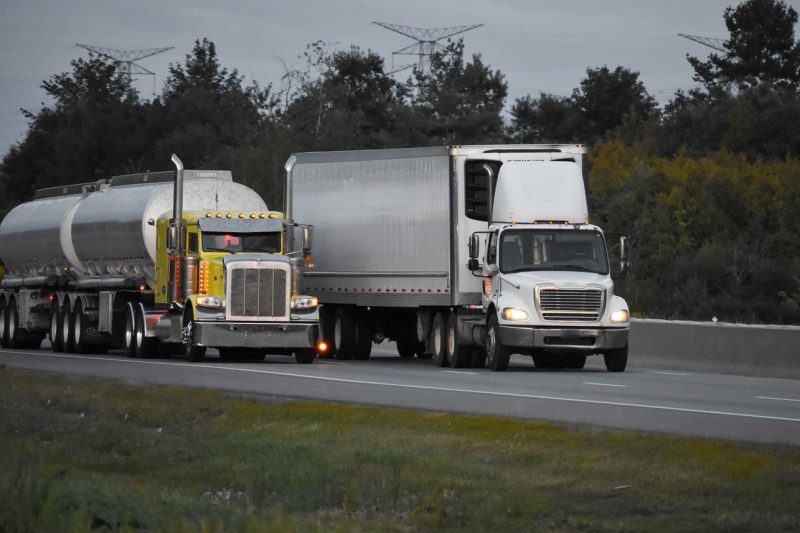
(711, 42)
(427, 41)
(124, 59)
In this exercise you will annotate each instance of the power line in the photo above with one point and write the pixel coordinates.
(124, 60)
(427, 41)
(711, 42)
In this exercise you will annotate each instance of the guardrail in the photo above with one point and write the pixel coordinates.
(764, 351)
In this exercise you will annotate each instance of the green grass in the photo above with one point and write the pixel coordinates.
(81, 455)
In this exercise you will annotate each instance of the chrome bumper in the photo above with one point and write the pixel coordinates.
(567, 339)
(256, 335)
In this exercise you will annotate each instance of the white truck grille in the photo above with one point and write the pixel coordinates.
(258, 291)
(570, 305)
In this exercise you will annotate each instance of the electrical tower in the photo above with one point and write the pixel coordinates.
(124, 60)
(711, 42)
(427, 41)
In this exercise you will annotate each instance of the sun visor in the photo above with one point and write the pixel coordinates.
(241, 225)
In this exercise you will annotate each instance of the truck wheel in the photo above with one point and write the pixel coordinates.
(12, 325)
(458, 355)
(305, 356)
(576, 361)
(406, 347)
(56, 340)
(194, 353)
(344, 333)
(363, 347)
(129, 336)
(326, 324)
(3, 324)
(616, 359)
(146, 347)
(79, 323)
(438, 341)
(497, 355)
(66, 328)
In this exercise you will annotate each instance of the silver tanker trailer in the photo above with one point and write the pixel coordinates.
(142, 263)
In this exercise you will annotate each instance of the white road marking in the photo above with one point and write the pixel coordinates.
(423, 387)
(604, 384)
(460, 372)
(671, 373)
(777, 399)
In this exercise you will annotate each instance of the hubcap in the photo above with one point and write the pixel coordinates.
(129, 331)
(53, 326)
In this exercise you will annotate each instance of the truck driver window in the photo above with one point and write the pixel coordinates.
(242, 242)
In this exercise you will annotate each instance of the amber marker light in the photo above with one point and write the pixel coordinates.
(322, 347)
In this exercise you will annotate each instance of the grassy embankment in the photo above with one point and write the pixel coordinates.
(81, 455)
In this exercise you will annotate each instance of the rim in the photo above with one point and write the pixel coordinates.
(2, 321)
(437, 339)
(53, 326)
(139, 333)
(490, 344)
(65, 325)
(337, 334)
(451, 341)
(128, 330)
(12, 322)
(76, 326)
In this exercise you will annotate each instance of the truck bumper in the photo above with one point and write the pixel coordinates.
(588, 340)
(256, 335)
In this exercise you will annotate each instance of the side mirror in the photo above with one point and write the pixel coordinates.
(473, 264)
(172, 237)
(624, 261)
(308, 239)
(474, 247)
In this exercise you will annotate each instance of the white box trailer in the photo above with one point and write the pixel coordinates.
(393, 260)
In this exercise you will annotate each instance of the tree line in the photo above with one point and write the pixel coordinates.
(707, 186)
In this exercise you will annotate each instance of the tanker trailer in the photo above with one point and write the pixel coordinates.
(142, 263)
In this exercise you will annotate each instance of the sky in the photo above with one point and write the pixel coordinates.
(541, 46)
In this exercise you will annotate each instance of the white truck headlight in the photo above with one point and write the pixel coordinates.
(510, 313)
(209, 301)
(620, 316)
(304, 303)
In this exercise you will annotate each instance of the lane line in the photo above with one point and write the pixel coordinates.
(423, 387)
(605, 384)
(777, 399)
(670, 373)
(459, 372)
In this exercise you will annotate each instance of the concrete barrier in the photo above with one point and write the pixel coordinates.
(765, 351)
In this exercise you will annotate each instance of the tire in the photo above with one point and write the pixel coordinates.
(478, 357)
(79, 323)
(56, 338)
(541, 360)
(363, 336)
(67, 338)
(458, 355)
(344, 334)
(576, 361)
(497, 355)
(3, 324)
(438, 339)
(129, 334)
(146, 347)
(406, 347)
(616, 359)
(194, 353)
(326, 324)
(12, 326)
(305, 356)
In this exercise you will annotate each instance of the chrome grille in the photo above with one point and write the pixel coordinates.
(258, 291)
(570, 305)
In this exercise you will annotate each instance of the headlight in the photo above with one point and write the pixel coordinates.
(300, 303)
(620, 316)
(509, 313)
(209, 301)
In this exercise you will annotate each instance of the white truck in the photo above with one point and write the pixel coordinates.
(462, 254)
(142, 263)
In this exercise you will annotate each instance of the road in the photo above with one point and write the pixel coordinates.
(715, 406)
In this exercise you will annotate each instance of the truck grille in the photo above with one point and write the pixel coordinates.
(570, 305)
(258, 291)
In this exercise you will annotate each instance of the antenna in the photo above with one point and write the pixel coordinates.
(124, 59)
(427, 41)
(711, 42)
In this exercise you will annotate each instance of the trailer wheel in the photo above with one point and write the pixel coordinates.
(438, 340)
(3, 324)
(129, 335)
(616, 359)
(363, 336)
(344, 333)
(458, 355)
(12, 325)
(305, 356)
(56, 342)
(497, 355)
(194, 353)
(79, 323)
(146, 347)
(406, 347)
(66, 328)
(326, 324)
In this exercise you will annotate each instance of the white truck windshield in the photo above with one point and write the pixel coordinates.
(533, 250)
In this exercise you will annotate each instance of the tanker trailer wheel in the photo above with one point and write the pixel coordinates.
(145, 347)
(129, 335)
(194, 353)
(56, 337)
(497, 355)
(12, 325)
(616, 359)
(79, 323)
(3, 324)
(438, 339)
(344, 334)
(458, 355)
(67, 339)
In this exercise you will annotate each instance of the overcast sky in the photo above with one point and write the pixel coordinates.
(539, 45)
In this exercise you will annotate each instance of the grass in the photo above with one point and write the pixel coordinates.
(81, 455)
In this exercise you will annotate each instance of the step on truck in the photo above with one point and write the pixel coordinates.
(156, 263)
(461, 254)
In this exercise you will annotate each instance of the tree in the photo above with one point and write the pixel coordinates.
(761, 48)
(545, 119)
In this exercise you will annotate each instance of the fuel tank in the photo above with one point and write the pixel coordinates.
(103, 234)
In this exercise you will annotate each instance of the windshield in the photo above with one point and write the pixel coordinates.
(242, 242)
(531, 250)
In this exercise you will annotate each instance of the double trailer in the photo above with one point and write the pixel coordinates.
(408, 247)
